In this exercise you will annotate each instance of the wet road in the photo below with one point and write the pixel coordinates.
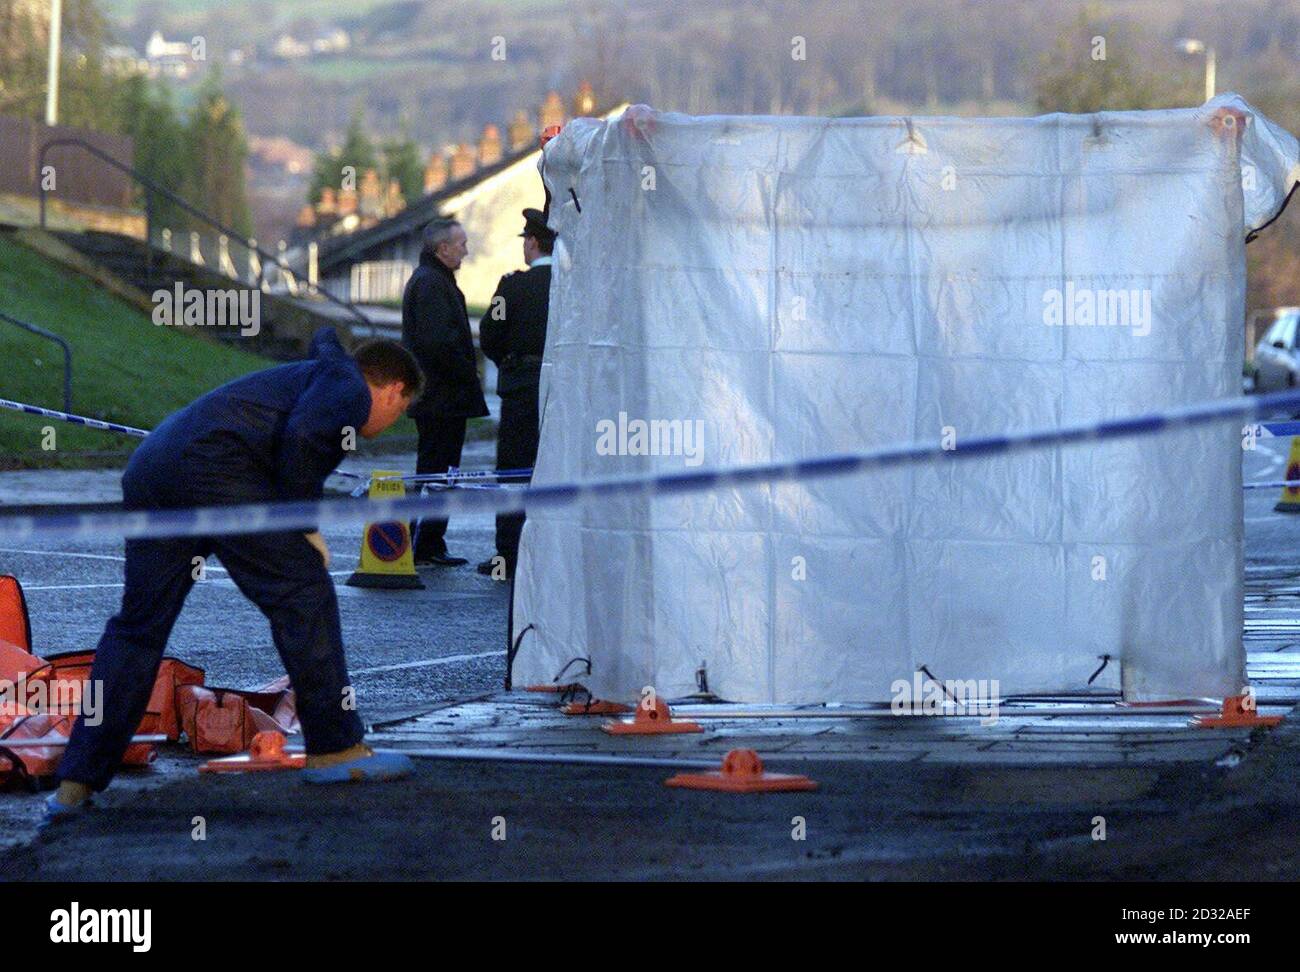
(405, 648)
(408, 648)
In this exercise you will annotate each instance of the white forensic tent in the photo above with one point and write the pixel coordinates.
(794, 287)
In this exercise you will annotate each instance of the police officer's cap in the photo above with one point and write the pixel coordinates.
(535, 226)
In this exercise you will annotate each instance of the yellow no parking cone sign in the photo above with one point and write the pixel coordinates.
(386, 559)
(1290, 501)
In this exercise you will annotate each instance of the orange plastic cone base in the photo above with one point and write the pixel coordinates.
(266, 752)
(1236, 715)
(596, 707)
(651, 720)
(742, 772)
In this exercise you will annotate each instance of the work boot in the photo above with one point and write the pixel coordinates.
(439, 558)
(357, 764)
(57, 811)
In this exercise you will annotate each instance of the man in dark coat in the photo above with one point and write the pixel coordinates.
(435, 326)
(270, 436)
(513, 334)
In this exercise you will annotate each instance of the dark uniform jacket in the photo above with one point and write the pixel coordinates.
(274, 434)
(435, 327)
(517, 340)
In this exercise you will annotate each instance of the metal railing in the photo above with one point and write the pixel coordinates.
(67, 353)
(232, 259)
(149, 186)
(378, 281)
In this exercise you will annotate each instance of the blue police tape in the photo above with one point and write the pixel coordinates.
(141, 433)
(459, 485)
(74, 419)
(1291, 483)
(1282, 429)
(364, 488)
(454, 475)
(309, 515)
(451, 475)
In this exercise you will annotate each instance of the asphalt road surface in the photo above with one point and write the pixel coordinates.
(1228, 819)
(404, 647)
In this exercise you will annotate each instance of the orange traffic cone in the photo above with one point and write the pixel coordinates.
(1290, 499)
(1238, 712)
(265, 752)
(742, 772)
(650, 720)
(386, 557)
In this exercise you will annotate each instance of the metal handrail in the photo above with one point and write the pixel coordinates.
(151, 186)
(67, 354)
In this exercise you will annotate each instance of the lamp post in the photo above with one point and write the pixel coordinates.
(1189, 45)
(52, 86)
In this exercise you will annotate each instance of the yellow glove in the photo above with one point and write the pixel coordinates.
(317, 541)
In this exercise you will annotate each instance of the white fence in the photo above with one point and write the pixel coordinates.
(233, 259)
(379, 281)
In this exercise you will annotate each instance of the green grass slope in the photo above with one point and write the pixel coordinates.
(124, 368)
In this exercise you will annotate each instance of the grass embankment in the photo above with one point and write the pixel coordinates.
(124, 368)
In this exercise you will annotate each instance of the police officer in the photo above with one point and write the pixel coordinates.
(513, 334)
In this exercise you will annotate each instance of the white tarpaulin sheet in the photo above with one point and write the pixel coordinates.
(737, 290)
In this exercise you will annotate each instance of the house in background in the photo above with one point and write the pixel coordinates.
(485, 186)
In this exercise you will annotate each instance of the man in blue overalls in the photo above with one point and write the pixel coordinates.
(270, 436)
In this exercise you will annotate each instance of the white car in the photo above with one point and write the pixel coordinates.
(1277, 359)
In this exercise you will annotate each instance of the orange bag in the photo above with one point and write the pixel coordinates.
(286, 710)
(219, 720)
(16, 662)
(68, 672)
(65, 675)
(32, 762)
(161, 715)
(72, 669)
(15, 623)
(9, 714)
(16, 720)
